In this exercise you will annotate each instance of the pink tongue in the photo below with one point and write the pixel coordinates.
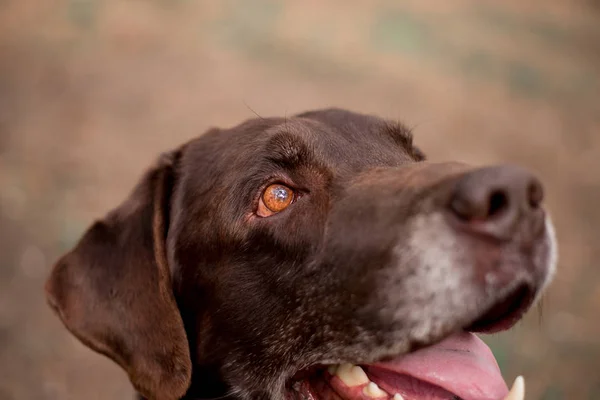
(462, 364)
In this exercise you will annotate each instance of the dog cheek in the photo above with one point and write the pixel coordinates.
(431, 279)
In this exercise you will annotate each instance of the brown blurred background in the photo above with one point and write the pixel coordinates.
(91, 91)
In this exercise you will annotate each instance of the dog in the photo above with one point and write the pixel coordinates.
(319, 256)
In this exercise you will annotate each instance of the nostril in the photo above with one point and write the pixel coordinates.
(535, 194)
(498, 202)
(479, 205)
(462, 208)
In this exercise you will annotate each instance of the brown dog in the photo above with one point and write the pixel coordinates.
(270, 260)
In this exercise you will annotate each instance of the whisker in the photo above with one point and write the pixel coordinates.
(251, 109)
(540, 310)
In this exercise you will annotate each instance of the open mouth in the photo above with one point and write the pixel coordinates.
(461, 367)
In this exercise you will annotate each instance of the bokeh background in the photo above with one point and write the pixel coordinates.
(92, 91)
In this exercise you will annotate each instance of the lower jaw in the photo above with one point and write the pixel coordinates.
(380, 386)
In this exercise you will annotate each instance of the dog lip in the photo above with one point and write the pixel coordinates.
(503, 314)
(498, 316)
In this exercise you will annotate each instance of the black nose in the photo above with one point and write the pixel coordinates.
(494, 200)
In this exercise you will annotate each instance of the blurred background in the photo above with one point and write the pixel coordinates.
(92, 91)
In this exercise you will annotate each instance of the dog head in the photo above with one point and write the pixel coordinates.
(270, 259)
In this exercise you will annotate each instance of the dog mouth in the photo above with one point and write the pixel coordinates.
(460, 367)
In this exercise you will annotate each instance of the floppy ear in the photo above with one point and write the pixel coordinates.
(113, 291)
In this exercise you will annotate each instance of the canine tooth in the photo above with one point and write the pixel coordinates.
(351, 375)
(517, 392)
(332, 369)
(398, 396)
(372, 390)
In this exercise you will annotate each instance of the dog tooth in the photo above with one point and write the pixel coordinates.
(517, 392)
(372, 390)
(332, 369)
(351, 375)
(359, 374)
(398, 396)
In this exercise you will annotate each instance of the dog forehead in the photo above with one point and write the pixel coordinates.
(335, 139)
(341, 139)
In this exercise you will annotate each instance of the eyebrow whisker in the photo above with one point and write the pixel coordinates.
(251, 109)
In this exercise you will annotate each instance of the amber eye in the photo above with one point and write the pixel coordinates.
(274, 199)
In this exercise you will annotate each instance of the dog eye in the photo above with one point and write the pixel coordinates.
(275, 198)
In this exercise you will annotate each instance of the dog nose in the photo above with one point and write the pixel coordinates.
(493, 200)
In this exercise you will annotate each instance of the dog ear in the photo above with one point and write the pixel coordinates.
(113, 291)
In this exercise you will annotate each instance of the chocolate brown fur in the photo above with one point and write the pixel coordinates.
(194, 295)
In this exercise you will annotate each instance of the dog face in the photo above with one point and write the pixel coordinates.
(252, 261)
